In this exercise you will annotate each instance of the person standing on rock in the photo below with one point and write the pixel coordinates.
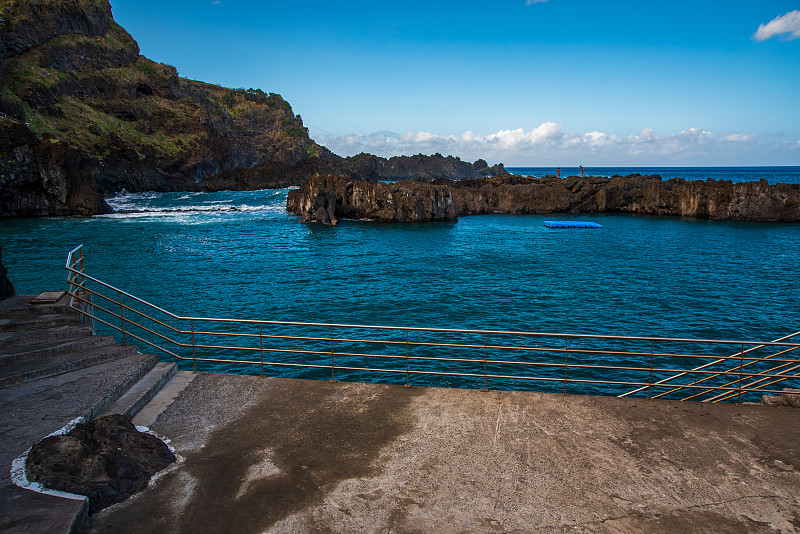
(558, 173)
(581, 171)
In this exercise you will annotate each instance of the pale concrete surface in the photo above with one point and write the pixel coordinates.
(283, 455)
(148, 415)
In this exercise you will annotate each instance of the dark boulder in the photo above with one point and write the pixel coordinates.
(6, 288)
(107, 460)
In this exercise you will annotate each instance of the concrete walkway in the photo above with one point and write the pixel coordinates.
(283, 455)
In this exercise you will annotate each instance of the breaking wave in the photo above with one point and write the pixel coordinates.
(181, 203)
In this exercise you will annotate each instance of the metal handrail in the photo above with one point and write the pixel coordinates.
(742, 365)
(720, 360)
(130, 319)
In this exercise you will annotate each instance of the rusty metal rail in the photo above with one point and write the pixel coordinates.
(721, 370)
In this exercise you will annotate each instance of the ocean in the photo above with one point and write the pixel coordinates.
(773, 175)
(240, 254)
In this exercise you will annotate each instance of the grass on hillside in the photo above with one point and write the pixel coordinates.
(143, 106)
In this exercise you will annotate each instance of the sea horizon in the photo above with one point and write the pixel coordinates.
(773, 174)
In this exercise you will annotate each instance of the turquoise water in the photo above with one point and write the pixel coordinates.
(240, 254)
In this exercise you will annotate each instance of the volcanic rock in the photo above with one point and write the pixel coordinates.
(6, 288)
(107, 460)
(324, 199)
(418, 201)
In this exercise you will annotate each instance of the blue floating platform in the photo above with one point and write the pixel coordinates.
(571, 224)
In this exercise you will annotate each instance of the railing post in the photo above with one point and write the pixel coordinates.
(83, 280)
(194, 354)
(122, 316)
(261, 346)
(484, 363)
(566, 361)
(407, 385)
(650, 378)
(741, 368)
(333, 378)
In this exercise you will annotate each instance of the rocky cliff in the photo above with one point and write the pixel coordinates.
(325, 199)
(83, 114)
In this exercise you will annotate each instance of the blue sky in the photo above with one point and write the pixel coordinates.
(557, 82)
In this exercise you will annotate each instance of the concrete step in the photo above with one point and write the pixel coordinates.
(12, 373)
(20, 305)
(19, 371)
(143, 391)
(30, 337)
(38, 321)
(52, 348)
(151, 411)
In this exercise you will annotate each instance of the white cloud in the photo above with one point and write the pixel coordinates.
(742, 138)
(785, 24)
(529, 2)
(548, 144)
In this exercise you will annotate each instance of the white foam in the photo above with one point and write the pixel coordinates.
(20, 478)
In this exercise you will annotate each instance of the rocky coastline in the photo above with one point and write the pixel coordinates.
(328, 198)
(83, 116)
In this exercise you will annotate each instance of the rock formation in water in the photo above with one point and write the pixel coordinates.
(326, 198)
(106, 459)
(6, 288)
(83, 115)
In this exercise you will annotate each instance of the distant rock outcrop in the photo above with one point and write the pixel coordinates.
(363, 167)
(374, 168)
(6, 288)
(324, 199)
